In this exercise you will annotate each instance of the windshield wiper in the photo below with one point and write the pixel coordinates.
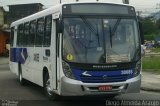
(110, 36)
(115, 26)
(89, 25)
(112, 31)
(92, 29)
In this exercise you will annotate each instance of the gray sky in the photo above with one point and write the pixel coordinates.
(145, 3)
(139, 4)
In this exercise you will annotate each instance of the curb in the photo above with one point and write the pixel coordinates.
(4, 60)
(150, 89)
(3, 63)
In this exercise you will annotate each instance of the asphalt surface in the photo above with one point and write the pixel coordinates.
(32, 95)
(150, 82)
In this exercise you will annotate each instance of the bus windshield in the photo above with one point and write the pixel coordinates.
(100, 40)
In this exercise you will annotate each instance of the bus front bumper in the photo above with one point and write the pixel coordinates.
(70, 87)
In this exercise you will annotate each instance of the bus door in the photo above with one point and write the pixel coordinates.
(54, 54)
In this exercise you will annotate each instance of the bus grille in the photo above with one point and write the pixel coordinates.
(102, 79)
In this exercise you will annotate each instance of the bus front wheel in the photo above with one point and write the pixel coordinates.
(47, 88)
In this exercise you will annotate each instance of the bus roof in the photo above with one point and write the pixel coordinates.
(52, 10)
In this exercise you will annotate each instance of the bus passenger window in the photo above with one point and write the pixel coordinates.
(12, 36)
(32, 32)
(40, 32)
(26, 34)
(47, 35)
(20, 35)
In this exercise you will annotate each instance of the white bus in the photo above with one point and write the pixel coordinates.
(78, 49)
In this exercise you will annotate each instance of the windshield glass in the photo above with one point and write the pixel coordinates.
(100, 40)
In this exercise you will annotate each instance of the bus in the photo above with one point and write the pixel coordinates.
(79, 49)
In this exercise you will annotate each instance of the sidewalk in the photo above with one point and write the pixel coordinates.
(4, 60)
(150, 82)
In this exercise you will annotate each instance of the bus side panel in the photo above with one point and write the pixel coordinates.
(12, 57)
(14, 60)
(38, 66)
(30, 59)
(13, 67)
(20, 56)
(27, 65)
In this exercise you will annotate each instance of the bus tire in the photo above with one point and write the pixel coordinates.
(47, 88)
(20, 77)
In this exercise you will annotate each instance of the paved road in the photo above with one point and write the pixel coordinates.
(32, 95)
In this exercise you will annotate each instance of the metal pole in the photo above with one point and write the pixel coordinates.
(125, 1)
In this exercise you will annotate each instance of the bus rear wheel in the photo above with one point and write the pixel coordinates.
(20, 77)
(47, 88)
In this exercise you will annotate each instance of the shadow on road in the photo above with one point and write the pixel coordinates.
(77, 101)
(62, 101)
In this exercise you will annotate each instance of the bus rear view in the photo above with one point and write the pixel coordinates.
(100, 49)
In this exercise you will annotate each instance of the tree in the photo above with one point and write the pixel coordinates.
(149, 26)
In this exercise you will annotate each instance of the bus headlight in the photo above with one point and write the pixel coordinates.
(67, 70)
(137, 68)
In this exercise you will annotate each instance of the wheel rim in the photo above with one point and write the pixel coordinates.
(20, 76)
(48, 87)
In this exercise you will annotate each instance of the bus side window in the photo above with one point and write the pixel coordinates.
(47, 35)
(12, 36)
(32, 32)
(26, 34)
(20, 35)
(40, 32)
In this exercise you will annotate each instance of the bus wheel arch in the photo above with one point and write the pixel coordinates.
(45, 71)
(46, 85)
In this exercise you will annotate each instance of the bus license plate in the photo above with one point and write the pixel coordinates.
(105, 88)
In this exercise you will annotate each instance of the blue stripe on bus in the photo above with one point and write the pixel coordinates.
(18, 55)
(101, 76)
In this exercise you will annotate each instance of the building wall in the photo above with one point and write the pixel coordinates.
(22, 10)
(1, 16)
(4, 37)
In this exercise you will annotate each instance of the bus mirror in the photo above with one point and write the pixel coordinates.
(141, 33)
(59, 26)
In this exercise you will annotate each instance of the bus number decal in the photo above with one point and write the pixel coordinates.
(45, 59)
(36, 57)
(124, 72)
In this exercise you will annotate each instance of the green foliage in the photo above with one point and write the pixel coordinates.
(156, 50)
(151, 28)
(152, 62)
(149, 37)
